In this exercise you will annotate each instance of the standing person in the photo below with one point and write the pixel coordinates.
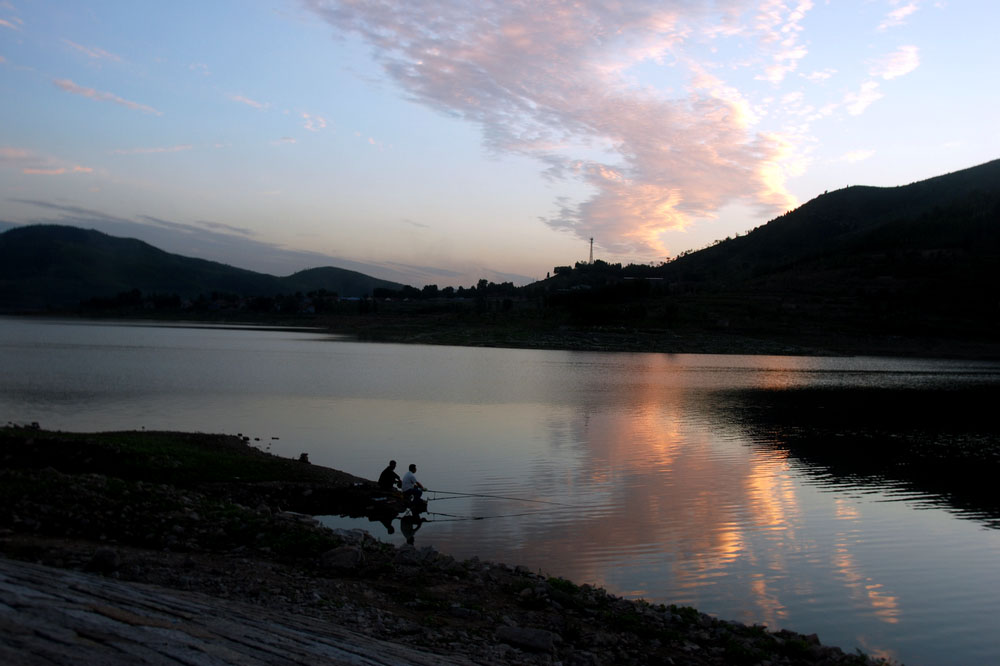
(412, 489)
(388, 478)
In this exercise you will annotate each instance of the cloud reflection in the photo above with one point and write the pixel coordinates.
(667, 501)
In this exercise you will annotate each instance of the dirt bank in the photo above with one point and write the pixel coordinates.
(212, 516)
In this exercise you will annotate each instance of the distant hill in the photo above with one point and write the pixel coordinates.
(920, 260)
(56, 267)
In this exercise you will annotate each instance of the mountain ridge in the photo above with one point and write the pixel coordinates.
(57, 266)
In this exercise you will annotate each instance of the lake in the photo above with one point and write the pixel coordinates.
(665, 477)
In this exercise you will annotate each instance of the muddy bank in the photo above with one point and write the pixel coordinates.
(212, 516)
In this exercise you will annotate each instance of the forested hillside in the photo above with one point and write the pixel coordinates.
(50, 267)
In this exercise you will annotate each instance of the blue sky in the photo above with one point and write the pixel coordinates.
(440, 142)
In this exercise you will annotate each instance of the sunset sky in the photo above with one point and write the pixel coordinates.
(440, 142)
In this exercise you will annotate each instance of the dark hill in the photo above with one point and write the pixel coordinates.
(340, 280)
(955, 212)
(917, 260)
(920, 261)
(56, 267)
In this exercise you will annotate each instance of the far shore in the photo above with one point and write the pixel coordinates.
(404, 327)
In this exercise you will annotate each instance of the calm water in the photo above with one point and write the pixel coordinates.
(637, 483)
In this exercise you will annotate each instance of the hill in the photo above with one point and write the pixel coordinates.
(909, 270)
(920, 262)
(955, 213)
(45, 267)
(916, 260)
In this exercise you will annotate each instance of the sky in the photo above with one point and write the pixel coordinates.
(443, 142)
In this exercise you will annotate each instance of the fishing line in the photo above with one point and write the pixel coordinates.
(518, 499)
(453, 517)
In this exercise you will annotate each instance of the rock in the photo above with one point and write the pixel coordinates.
(407, 555)
(538, 640)
(105, 560)
(344, 557)
(355, 536)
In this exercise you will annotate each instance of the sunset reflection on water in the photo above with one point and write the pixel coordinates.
(666, 477)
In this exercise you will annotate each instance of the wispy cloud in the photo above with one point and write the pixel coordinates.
(284, 139)
(93, 52)
(857, 102)
(147, 151)
(553, 83)
(821, 75)
(31, 163)
(91, 93)
(898, 15)
(313, 123)
(11, 22)
(249, 102)
(857, 156)
(56, 171)
(228, 228)
(779, 25)
(197, 228)
(902, 61)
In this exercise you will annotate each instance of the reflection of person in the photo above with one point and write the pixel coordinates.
(388, 478)
(412, 489)
(387, 522)
(409, 525)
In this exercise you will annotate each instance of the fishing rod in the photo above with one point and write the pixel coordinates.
(457, 495)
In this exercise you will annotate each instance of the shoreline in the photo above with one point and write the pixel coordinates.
(211, 514)
(433, 329)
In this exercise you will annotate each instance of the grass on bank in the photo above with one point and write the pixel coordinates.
(181, 459)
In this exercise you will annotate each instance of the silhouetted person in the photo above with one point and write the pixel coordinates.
(388, 478)
(412, 489)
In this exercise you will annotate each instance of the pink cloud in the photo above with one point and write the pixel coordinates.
(249, 102)
(313, 123)
(13, 23)
(777, 24)
(550, 81)
(146, 151)
(56, 171)
(898, 16)
(858, 101)
(32, 164)
(91, 93)
(902, 61)
(93, 52)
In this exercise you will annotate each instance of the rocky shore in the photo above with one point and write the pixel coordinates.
(213, 517)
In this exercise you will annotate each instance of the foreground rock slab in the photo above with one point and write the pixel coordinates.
(58, 617)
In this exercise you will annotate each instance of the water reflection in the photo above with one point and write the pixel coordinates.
(932, 446)
(761, 489)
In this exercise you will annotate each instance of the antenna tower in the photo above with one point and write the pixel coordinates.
(591, 249)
